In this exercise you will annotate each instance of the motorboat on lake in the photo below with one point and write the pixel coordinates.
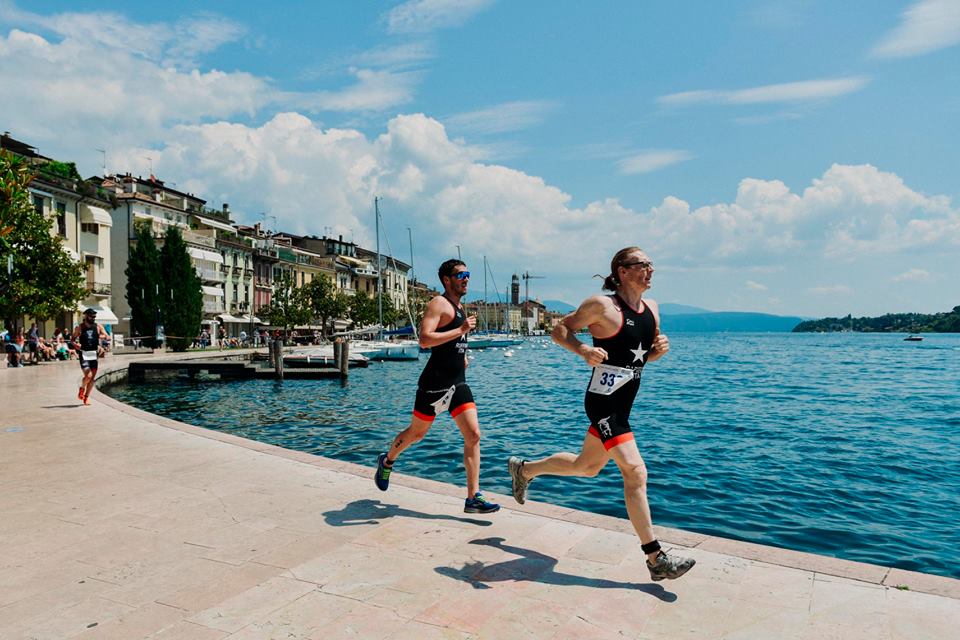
(386, 349)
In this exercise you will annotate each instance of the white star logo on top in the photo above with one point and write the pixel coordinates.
(638, 353)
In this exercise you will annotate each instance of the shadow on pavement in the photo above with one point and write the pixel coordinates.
(536, 567)
(372, 511)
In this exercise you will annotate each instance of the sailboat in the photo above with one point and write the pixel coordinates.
(381, 349)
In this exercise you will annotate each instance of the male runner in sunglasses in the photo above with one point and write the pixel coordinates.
(442, 385)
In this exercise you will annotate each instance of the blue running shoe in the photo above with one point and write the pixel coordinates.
(382, 476)
(479, 504)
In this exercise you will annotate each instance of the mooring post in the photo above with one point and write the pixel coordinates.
(344, 359)
(276, 348)
(337, 350)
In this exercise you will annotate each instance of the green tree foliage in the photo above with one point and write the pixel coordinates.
(947, 322)
(363, 309)
(181, 296)
(44, 279)
(288, 306)
(324, 301)
(143, 283)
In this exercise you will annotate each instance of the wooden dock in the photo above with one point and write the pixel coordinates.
(227, 370)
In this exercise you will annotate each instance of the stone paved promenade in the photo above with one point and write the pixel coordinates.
(118, 524)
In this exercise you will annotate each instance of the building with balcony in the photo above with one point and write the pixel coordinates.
(80, 211)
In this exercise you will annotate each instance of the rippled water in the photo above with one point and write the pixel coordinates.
(838, 444)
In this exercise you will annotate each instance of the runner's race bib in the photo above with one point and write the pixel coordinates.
(443, 403)
(607, 379)
(89, 356)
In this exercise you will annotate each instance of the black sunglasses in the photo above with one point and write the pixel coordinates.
(645, 264)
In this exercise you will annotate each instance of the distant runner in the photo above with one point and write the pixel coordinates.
(442, 385)
(626, 336)
(86, 340)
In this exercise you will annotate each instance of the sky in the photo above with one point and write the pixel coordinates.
(795, 157)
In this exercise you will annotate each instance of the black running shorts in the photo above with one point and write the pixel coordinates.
(456, 399)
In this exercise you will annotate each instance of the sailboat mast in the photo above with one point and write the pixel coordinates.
(376, 210)
(486, 322)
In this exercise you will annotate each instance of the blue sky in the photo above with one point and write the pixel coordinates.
(789, 156)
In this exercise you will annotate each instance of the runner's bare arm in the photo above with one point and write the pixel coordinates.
(564, 334)
(429, 336)
(661, 344)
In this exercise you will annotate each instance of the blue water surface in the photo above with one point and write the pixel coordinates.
(839, 444)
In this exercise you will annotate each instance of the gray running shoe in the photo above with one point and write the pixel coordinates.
(515, 464)
(669, 567)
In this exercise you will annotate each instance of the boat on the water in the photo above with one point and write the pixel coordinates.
(321, 357)
(487, 340)
(386, 350)
(913, 338)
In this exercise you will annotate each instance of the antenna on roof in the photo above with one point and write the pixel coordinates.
(104, 163)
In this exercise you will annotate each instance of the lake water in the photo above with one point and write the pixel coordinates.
(838, 444)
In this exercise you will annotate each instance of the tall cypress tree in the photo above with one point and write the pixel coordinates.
(143, 283)
(181, 295)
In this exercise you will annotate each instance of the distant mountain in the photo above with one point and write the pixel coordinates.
(728, 321)
(559, 306)
(672, 309)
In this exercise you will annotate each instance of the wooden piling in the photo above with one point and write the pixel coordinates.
(344, 362)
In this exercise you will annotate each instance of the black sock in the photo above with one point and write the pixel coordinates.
(650, 547)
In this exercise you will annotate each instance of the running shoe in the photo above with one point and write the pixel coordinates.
(515, 465)
(81, 396)
(669, 567)
(479, 504)
(382, 476)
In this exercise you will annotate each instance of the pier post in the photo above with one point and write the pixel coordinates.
(276, 349)
(344, 362)
(337, 350)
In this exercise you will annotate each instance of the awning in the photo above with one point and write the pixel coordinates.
(226, 317)
(354, 261)
(216, 225)
(216, 292)
(203, 254)
(253, 319)
(95, 215)
(104, 313)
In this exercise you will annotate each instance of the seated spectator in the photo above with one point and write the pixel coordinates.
(13, 347)
(45, 350)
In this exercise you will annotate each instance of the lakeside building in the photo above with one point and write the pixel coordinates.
(532, 314)
(265, 255)
(149, 201)
(83, 224)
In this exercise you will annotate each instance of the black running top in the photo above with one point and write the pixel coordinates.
(89, 338)
(629, 347)
(445, 366)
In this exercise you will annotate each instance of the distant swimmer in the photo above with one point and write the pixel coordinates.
(626, 337)
(442, 385)
(87, 339)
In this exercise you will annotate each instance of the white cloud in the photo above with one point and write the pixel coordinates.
(179, 44)
(926, 26)
(830, 290)
(421, 16)
(652, 160)
(502, 118)
(791, 92)
(913, 275)
(374, 90)
(755, 286)
(401, 55)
